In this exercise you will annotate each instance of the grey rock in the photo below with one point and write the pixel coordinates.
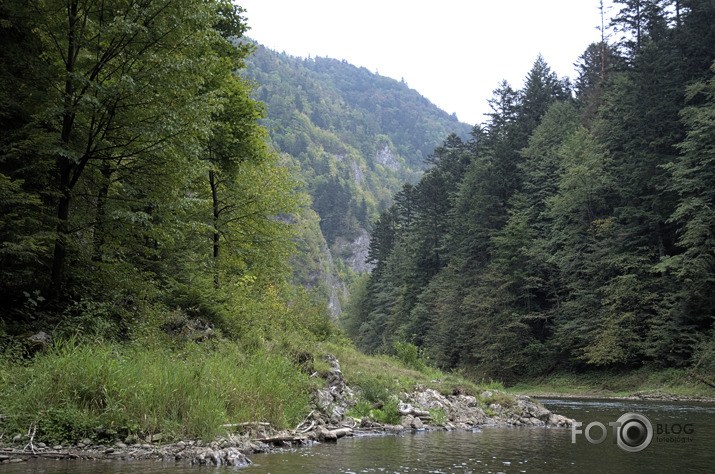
(407, 421)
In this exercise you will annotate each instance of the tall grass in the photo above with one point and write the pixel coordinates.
(77, 391)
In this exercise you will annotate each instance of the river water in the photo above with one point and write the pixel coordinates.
(683, 440)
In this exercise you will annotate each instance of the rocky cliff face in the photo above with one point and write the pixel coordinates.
(385, 157)
(354, 252)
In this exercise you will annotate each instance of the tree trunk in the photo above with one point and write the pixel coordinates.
(63, 163)
(216, 212)
(60, 253)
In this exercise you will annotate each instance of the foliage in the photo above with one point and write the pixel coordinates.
(565, 235)
(389, 414)
(135, 176)
(411, 355)
(146, 226)
(438, 416)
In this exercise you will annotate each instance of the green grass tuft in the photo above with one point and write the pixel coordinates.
(109, 391)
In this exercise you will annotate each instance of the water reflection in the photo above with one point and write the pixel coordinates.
(490, 449)
(497, 449)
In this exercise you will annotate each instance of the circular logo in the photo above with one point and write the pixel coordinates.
(634, 432)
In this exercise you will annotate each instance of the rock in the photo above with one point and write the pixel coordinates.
(417, 423)
(324, 399)
(532, 409)
(407, 421)
(41, 339)
(385, 157)
(354, 253)
(560, 420)
(324, 435)
(57, 447)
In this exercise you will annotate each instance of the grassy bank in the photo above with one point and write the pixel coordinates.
(646, 382)
(377, 377)
(107, 392)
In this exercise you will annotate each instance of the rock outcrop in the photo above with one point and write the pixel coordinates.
(427, 407)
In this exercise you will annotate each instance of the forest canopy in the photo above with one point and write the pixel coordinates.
(137, 184)
(575, 228)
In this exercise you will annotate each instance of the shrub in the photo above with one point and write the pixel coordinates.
(389, 414)
(411, 355)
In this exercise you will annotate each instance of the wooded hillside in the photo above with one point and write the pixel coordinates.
(575, 229)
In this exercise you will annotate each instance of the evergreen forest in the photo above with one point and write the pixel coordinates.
(574, 230)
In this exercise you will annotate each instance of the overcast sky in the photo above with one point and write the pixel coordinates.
(454, 52)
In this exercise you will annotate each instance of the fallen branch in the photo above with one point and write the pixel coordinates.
(340, 432)
(312, 424)
(306, 419)
(247, 423)
(32, 428)
(413, 412)
(702, 379)
(277, 439)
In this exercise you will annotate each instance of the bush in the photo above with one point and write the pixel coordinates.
(411, 355)
(438, 416)
(389, 414)
(373, 388)
(361, 409)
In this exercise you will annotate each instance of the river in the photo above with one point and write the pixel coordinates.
(683, 440)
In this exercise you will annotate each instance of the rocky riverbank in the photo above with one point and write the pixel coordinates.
(423, 408)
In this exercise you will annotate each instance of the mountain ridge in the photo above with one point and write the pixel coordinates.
(355, 137)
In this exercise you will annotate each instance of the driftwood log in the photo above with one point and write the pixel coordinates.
(322, 435)
(415, 412)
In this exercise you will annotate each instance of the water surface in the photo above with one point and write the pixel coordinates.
(487, 450)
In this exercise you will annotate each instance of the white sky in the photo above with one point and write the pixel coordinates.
(454, 52)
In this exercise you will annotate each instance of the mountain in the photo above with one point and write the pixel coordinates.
(356, 137)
